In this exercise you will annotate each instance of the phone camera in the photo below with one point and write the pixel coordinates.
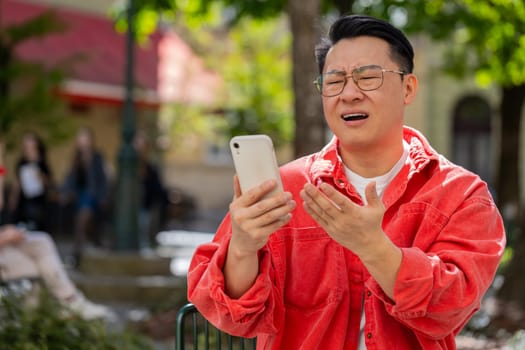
(235, 145)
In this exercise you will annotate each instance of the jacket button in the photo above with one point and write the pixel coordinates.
(369, 335)
(368, 293)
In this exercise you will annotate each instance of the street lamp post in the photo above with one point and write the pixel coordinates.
(126, 202)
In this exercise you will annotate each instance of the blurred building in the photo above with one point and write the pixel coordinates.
(458, 117)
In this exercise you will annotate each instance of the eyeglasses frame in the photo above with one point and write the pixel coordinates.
(318, 82)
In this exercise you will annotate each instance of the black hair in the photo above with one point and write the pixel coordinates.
(353, 26)
(40, 145)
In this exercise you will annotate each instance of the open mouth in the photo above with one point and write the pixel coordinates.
(354, 116)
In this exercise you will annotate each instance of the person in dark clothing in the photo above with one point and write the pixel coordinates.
(31, 188)
(86, 185)
(2, 176)
(152, 192)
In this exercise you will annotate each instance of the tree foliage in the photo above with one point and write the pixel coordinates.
(253, 59)
(256, 70)
(33, 101)
(251, 56)
(484, 37)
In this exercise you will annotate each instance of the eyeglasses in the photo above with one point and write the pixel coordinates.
(367, 78)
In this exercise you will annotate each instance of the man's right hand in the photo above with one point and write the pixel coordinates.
(253, 219)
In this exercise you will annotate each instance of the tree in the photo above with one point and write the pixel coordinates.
(256, 69)
(253, 59)
(309, 123)
(34, 98)
(488, 39)
(305, 26)
(304, 17)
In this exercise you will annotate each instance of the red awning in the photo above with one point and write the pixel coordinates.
(166, 69)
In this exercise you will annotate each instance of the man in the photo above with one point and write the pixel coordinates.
(391, 245)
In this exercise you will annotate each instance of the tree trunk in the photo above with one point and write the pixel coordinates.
(309, 121)
(508, 191)
(507, 179)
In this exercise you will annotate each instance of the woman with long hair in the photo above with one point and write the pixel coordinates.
(30, 190)
(87, 185)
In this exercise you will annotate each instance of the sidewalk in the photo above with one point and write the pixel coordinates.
(140, 318)
(141, 315)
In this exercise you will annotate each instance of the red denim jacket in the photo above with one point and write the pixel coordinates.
(310, 290)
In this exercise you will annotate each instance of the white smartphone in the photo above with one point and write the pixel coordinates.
(255, 162)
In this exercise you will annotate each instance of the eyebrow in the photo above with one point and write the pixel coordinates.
(336, 71)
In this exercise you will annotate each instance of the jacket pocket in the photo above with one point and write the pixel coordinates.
(311, 267)
(416, 224)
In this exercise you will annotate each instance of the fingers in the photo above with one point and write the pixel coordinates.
(266, 225)
(255, 194)
(253, 212)
(236, 187)
(263, 212)
(334, 197)
(371, 195)
(253, 223)
(279, 215)
(323, 202)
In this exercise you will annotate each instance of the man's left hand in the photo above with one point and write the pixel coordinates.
(355, 227)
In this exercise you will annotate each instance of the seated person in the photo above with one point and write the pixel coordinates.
(34, 254)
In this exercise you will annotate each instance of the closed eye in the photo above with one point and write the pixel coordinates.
(369, 77)
(335, 82)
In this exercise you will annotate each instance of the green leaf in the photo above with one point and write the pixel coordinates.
(483, 78)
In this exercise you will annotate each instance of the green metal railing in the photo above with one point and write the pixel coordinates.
(202, 335)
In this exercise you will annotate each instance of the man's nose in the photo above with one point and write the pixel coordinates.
(351, 91)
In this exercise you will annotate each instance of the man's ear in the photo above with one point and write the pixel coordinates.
(410, 86)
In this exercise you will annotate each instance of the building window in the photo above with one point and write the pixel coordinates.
(472, 136)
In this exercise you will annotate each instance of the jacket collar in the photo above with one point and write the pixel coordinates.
(420, 152)
(327, 164)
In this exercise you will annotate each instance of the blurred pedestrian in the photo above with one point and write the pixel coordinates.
(152, 192)
(86, 185)
(32, 184)
(2, 175)
(25, 254)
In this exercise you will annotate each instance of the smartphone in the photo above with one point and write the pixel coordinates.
(255, 162)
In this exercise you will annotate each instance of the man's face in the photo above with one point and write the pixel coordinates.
(367, 120)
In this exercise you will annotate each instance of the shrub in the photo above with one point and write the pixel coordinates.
(49, 326)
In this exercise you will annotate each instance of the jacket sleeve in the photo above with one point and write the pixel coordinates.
(439, 288)
(259, 310)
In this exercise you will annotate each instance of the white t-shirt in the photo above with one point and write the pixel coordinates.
(30, 181)
(382, 182)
